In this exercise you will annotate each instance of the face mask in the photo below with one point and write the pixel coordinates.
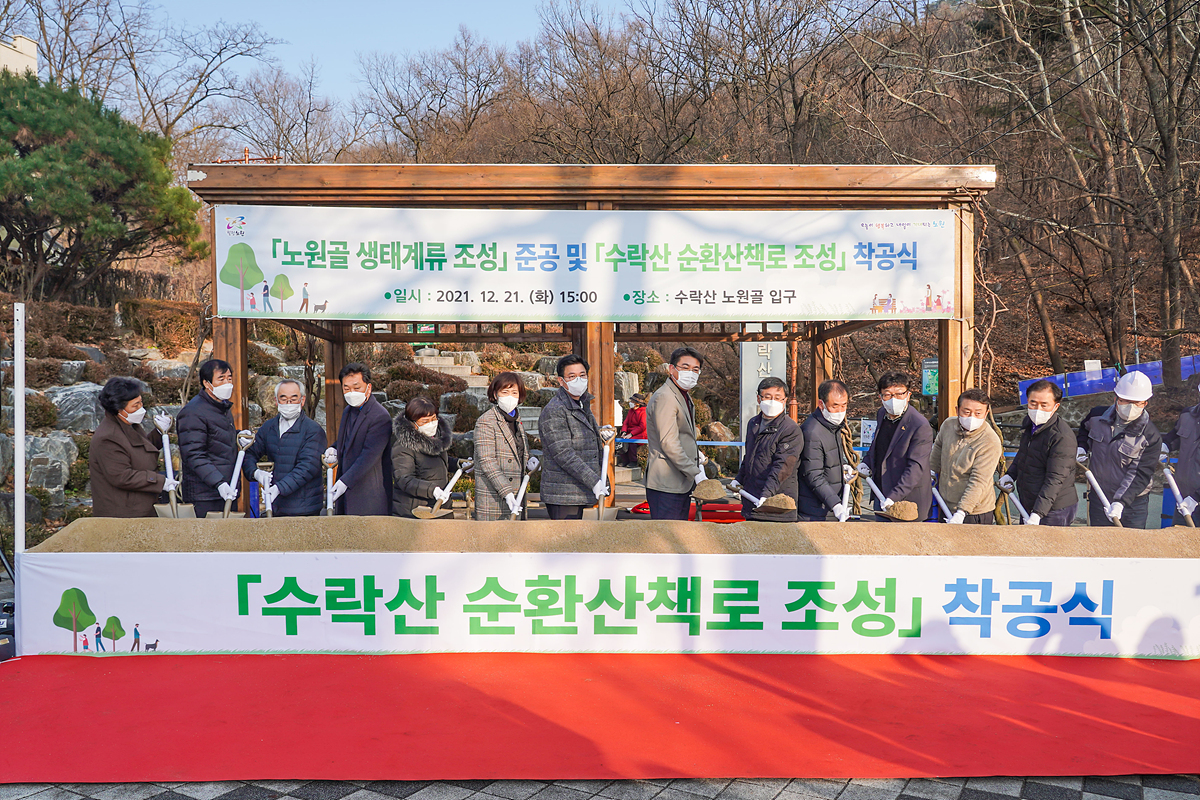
(355, 399)
(136, 417)
(895, 407)
(289, 411)
(770, 408)
(1128, 411)
(223, 392)
(429, 428)
(577, 386)
(834, 419)
(688, 380)
(508, 403)
(970, 423)
(1040, 417)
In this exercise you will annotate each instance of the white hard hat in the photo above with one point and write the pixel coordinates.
(1134, 386)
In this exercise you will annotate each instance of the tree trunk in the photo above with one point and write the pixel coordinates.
(1039, 302)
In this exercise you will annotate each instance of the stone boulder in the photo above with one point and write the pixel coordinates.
(717, 432)
(168, 368)
(467, 358)
(48, 465)
(548, 365)
(271, 350)
(626, 385)
(532, 380)
(94, 353)
(394, 407)
(263, 392)
(296, 373)
(463, 445)
(256, 416)
(78, 406)
(33, 509)
(70, 371)
(427, 351)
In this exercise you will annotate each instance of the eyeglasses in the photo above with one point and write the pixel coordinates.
(687, 369)
(888, 394)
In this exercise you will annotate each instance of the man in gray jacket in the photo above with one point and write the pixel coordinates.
(571, 445)
(673, 464)
(822, 460)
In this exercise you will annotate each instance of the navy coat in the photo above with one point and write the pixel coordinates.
(207, 446)
(364, 447)
(297, 457)
(904, 470)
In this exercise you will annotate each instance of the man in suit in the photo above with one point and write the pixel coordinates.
(364, 449)
(898, 459)
(673, 464)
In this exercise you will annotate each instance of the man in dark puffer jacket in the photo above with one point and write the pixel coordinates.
(208, 441)
(294, 443)
(773, 445)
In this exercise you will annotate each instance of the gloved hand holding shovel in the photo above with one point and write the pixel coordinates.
(229, 490)
(514, 505)
(330, 459)
(1111, 510)
(440, 496)
(904, 511)
(171, 486)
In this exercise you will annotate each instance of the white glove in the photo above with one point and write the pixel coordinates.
(863, 469)
(441, 495)
(227, 492)
(1081, 455)
(703, 458)
(163, 423)
(262, 476)
(734, 485)
(841, 512)
(170, 484)
(339, 489)
(330, 452)
(1188, 506)
(758, 503)
(701, 477)
(600, 489)
(513, 506)
(887, 503)
(532, 464)
(272, 494)
(467, 466)
(1034, 519)
(1114, 511)
(958, 517)
(1007, 483)
(933, 474)
(1166, 453)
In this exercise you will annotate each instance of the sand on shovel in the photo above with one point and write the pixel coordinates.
(903, 510)
(709, 491)
(778, 504)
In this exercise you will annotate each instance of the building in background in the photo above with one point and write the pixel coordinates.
(20, 56)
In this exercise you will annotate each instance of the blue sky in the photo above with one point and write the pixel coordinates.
(335, 32)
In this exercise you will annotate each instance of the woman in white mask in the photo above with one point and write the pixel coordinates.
(421, 460)
(122, 459)
(501, 451)
(965, 454)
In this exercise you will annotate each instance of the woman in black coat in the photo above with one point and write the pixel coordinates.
(421, 460)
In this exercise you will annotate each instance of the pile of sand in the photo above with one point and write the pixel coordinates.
(778, 504)
(709, 491)
(903, 510)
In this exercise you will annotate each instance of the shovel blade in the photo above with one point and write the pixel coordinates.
(184, 511)
(221, 515)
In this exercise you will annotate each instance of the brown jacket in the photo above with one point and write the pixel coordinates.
(966, 466)
(124, 465)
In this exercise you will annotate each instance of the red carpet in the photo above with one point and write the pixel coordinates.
(192, 718)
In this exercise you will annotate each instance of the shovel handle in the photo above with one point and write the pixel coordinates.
(458, 474)
(521, 494)
(1095, 484)
(1169, 474)
(875, 490)
(237, 470)
(755, 500)
(1017, 502)
(941, 503)
(846, 496)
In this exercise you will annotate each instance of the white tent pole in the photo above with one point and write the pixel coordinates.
(19, 427)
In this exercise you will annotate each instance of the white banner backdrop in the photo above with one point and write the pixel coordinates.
(609, 603)
(534, 266)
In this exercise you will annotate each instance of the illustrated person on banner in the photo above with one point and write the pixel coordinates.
(773, 446)
(421, 460)
(673, 463)
(303, 298)
(1043, 471)
(571, 445)
(122, 459)
(266, 292)
(364, 449)
(99, 639)
(634, 427)
(898, 458)
(1121, 446)
(1185, 438)
(137, 639)
(294, 443)
(966, 453)
(822, 459)
(208, 441)
(501, 451)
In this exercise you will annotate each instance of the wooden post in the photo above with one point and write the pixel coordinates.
(821, 368)
(229, 344)
(602, 382)
(956, 337)
(335, 359)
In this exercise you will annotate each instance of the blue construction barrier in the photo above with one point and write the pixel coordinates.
(1074, 384)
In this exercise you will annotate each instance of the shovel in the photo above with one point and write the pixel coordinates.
(1169, 474)
(524, 485)
(244, 440)
(1103, 498)
(329, 459)
(760, 504)
(1011, 494)
(601, 511)
(173, 510)
(946, 515)
(421, 512)
(267, 467)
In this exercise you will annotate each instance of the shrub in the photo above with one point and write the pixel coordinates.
(259, 361)
(171, 325)
(406, 390)
(117, 361)
(42, 372)
(35, 346)
(83, 442)
(526, 361)
(58, 347)
(465, 409)
(40, 412)
(77, 512)
(408, 371)
(96, 373)
(703, 412)
(79, 476)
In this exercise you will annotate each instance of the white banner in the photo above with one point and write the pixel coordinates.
(608, 603)
(534, 266)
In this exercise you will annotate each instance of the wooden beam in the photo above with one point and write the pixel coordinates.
(956, 337)
(335, 359)
(847, 328)
(311, 328)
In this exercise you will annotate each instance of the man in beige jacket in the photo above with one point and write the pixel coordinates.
(673, 464)
(964, 459)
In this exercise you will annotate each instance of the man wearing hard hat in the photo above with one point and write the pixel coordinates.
(1120, 445)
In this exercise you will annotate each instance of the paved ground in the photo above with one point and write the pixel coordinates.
(1130, 787)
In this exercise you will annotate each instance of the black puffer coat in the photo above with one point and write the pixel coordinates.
(1044, 469)
(420, 464)
(207, 446)
(772, 454)
(820, 466)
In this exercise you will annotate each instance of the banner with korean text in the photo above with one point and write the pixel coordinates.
(489, 265)
(607, 603)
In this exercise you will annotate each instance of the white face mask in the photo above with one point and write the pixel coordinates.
(970, 423)
(429, 428)
(289, 411)
(834, 419)
(895, 406)
(136, 417)
(687, 379)
(507, 403)
(1128, 411)
(770, 408)
(355, 399)
(1039, 417)
(577, 386)
(223, 392)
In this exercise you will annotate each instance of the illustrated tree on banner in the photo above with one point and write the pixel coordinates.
(240, 270)
(73, 614)
(281, 289)
(113, 630)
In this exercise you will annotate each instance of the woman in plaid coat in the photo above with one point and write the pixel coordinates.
(501, 450)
